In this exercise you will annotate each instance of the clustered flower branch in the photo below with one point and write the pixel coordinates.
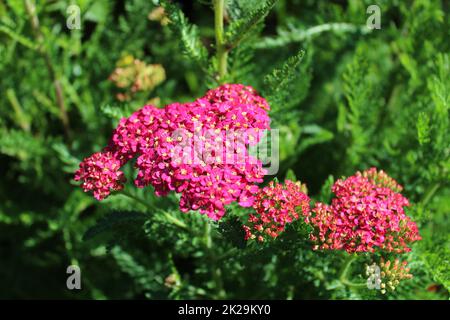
(366, 215)
(152, 136)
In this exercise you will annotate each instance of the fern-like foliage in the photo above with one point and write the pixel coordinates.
(423, 128)
(437, 262)
(433, 125)
(190, 41)
(352, 101)
(359, 116)
(278, 80)
(117, 112)
(70, 163)
(439, 87)
(295, 34)
(141, 275)
(241, 28)
(113, 221)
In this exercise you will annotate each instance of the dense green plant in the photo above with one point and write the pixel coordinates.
(345, 98)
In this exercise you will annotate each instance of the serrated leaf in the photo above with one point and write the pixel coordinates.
(295, 34)
(114, 220)
(187, 33)
(278, 80)
(243, 27)
(70, 162)
(114, 112)
(144, 277)
(438, 264)
(31, 147)
(423, 128)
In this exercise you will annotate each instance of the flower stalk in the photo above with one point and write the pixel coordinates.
(216, 271)
(430, 193)
(221, 50)
(345, 270)
(170, 218)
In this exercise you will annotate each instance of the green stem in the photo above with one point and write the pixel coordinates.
(430, 193)
(137, 199)
(221, 50)
(354, 284)
(208, 239)
(175, 221)
(20, 114)
(166, 214)
(346, 267)
(216, 271)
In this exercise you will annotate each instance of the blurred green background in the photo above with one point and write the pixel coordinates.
(359, 98)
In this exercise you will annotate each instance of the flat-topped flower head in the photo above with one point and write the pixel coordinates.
(100, 174)
(186, 148)
(381, 179)
(365, 214)
(276, 205)
(237, 94)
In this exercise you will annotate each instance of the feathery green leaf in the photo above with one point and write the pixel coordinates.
(243, 27)
(114, 220)
(190, 41)
(278, 80)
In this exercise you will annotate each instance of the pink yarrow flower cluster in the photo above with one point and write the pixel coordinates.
(275, 206)
(100, 173)
(158, 139)
(367, 213)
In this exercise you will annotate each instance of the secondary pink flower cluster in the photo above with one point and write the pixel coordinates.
(367, 212)
(154, 136)
(275, 206)
(100, 173)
